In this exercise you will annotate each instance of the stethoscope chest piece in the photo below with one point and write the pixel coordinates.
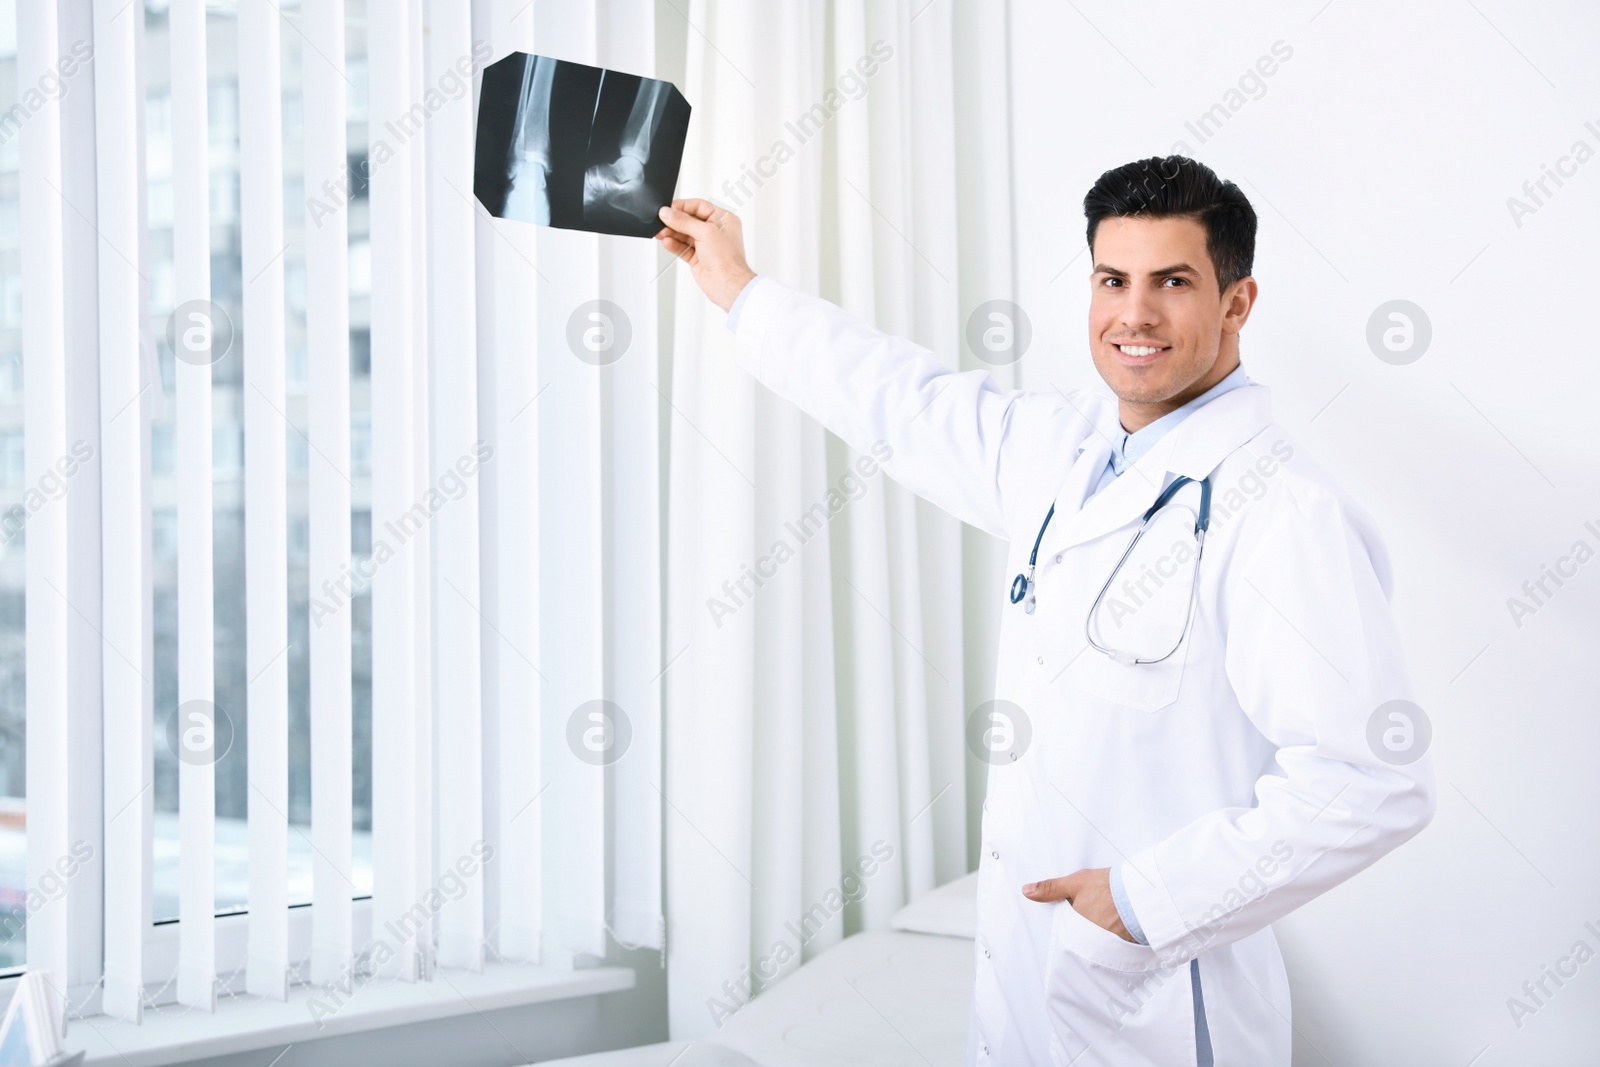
(1022, 584)
(1020, 587)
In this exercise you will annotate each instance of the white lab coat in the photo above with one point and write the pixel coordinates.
(1232, 782)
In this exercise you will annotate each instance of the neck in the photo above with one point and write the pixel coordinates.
(1136, 415)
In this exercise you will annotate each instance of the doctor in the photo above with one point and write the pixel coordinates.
(1196, 729)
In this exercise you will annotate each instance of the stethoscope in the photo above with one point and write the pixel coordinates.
(1022, 587)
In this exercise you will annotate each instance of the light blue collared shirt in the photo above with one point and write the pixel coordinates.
(1127, 452)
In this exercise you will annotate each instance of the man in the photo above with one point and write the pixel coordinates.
(1201, 732)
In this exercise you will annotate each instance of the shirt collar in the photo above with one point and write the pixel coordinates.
(1127, 448)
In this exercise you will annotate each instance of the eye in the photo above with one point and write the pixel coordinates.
(1110, 281)
(1180, 281)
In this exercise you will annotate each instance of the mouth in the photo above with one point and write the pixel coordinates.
(1139, 355)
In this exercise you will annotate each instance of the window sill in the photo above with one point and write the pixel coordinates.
(174, 1034)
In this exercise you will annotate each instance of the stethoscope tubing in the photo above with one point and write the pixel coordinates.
(1022, 585)
(1194, 587)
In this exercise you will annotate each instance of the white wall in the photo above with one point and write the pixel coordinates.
(1380, 158)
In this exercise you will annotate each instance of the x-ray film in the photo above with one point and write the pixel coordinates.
(577, 147)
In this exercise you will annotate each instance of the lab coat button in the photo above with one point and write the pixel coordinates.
(1040, 659)
(996, 855)
(1058, 557)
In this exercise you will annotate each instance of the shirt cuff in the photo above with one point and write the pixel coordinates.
(738, 303)
(1119, 897)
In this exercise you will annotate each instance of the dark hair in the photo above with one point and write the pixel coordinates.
(1177, 186)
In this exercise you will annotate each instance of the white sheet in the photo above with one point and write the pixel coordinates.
(951, 910)
(885, 997)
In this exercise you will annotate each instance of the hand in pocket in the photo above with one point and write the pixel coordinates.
(1088, 892)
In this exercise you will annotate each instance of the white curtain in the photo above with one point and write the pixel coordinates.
(818, 681)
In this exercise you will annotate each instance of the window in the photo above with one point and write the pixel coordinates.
(231, 871)
(420, 650)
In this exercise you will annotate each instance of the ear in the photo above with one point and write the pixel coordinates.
(1237, 303)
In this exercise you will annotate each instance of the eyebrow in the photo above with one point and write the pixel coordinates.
(1176, 268)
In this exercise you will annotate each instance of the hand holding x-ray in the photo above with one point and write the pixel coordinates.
(710, 240)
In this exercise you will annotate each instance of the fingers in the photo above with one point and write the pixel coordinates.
(672, 244)
(1049, 889)
(700, 209)
(684, 222)
(676, 235)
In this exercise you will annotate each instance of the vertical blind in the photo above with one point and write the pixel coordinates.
(124, 479)
(453, 392)
(191, 253)
(329, 488)
(505, 601)
(265, 507)
(398, 847)
(44, 384)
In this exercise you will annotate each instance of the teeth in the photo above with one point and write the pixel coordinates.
(1138, 350)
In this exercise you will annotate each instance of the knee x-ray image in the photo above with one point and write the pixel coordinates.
(577, 147)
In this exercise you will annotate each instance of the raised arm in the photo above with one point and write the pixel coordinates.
(952, 437)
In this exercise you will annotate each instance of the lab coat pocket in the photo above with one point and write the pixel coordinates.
(1144, 612)
(1141, 686)
(1111, 1000)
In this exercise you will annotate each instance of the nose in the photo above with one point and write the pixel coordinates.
(1138, 312)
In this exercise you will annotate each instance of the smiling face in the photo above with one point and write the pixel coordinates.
(1159, 330)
